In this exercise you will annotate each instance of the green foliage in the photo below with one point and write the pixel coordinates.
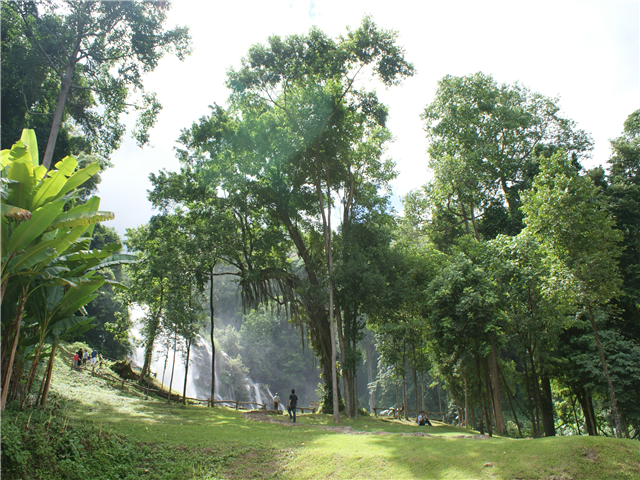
(568, 214)
(623, 194)
(75, 57)
(484, 142)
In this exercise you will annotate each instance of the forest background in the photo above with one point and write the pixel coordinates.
(411, 330)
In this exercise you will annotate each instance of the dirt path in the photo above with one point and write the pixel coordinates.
(264, 417)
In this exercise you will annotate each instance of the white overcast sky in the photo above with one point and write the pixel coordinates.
(586, 53)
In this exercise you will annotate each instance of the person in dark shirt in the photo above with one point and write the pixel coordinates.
(293, 402)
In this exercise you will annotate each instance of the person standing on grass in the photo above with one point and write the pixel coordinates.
(276, 402)
(293, 401)
(94, 356)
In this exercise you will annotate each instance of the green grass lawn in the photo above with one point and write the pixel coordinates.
(174, 441)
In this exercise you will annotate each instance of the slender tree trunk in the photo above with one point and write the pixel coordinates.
(509, 398)
(497, 401)
(487, 384)
(422, 386)
(480, 394)
(3, 287)
(404, 382)
(213, 345)
(370, 378)
(415, 378)
(536, 390)
(466, 402)
(65, 86)
(589, 420)
(166, 359)
(47, 383)
(32, 373)
(547, 407)
(397, 412)
(173, 367)
(186, 371)
(531, 410)
(354, 377)
(573, 407)
(7, 375)
(151, 338)
(612, 395)
(348, 410)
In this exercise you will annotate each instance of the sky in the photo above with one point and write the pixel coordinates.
(586, 54)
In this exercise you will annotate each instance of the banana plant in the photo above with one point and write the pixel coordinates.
(44, 243)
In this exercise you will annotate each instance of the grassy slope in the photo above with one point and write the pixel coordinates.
(196, 442)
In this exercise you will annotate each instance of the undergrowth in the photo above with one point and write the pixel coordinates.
(46, 444)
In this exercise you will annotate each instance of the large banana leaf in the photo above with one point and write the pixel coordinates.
(29, 230)
(80, 177)
(14, 212)
(113, 260)
(69, 239)
(18, 151)
(21, 188)
(78, 297)
(4, 237)
(68, 220)
(49, 189)
(39, 252)
(28, 138)
(72, 327)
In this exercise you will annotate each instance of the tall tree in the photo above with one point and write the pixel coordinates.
(484, 142)
(91, 54)
(302, 127)
(568, 214)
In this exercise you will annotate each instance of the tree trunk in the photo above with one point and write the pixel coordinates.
(186, 371)
(355, 393)
(173, 367)
(480, 393)
(32, 372)
(612, 395)
(65, 86)
(587, 411)
(575, 416)
(151, 338)
(509, 397)
(348, 410)
(547, 407)
(490, 417)
(466, 403)
(7, 376)
(536, 390)
(529, 397)
(213, 345)
(47, 383)
(415, 378)
(370, 378)
(497, 400)
(404, 383)
(397, 412)
(166, 360)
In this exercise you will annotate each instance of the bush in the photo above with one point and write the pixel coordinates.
(39, 444)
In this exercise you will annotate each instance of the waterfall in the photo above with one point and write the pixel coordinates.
(199, 375)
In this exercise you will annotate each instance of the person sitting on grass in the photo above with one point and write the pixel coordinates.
(424, 420)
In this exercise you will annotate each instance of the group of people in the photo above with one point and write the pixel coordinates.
(291, 407)
(82, 357)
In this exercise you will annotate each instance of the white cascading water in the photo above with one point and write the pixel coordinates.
(199, 374)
